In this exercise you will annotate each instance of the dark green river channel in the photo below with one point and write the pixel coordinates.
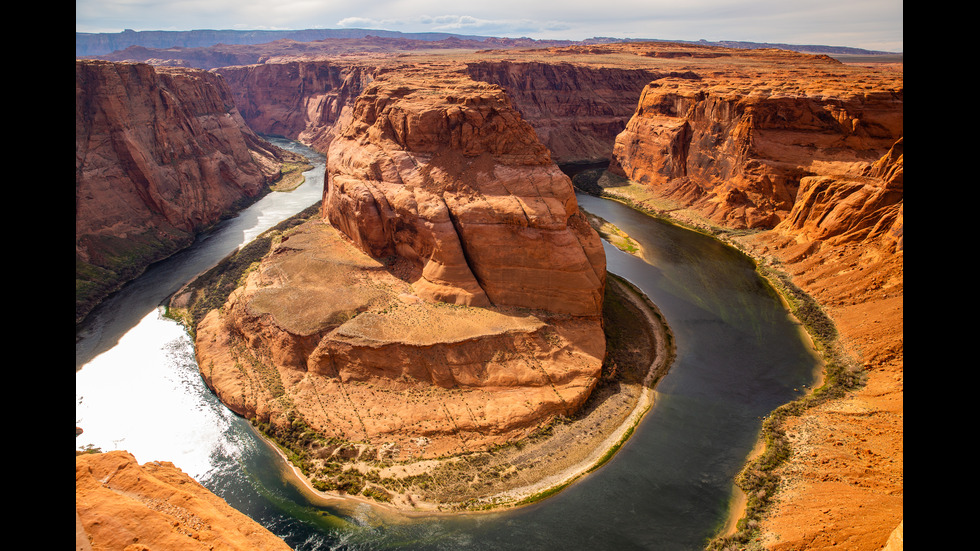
(739, 356)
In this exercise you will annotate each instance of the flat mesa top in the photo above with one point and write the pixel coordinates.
(344, 289)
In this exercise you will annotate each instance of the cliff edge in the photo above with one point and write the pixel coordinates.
(120, 504)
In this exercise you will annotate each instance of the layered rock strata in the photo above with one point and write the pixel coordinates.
(576, 110)
(160, 154)
(453, 301)
(452, 179)
(843, 244)
(120, 504)
(802, 163)
(301, 100)
(813, 155)
(737, 154)
(869, 207)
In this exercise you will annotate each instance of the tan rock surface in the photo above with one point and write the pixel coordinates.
(856, 277)
(323, 331)
(736, 152)
(844, 484)
(120, 504)
(458, 305)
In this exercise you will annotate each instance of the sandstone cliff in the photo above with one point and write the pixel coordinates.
(843, 244)
(576, 110)
(864, 208)
(452, 303)
(160, 154)
(120, 504)
(301, 100)
(737, 154)
(810, 152)
(452, 179)
(803, 147)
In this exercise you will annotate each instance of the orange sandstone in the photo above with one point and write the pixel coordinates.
(120, 504)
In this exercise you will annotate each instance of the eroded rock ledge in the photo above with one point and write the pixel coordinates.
(451, 179)
(738, 151)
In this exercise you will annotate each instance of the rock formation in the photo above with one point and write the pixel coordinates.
(453, 180)
(120, 504)
(839, 210)
(738, 156)
(459, 308)
(843, 244)
(802, 149)
(811, 151)
(576, 110)
(160, 154)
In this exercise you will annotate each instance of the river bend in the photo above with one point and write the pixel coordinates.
(739, 356)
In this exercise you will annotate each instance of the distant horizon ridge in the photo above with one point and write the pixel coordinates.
(89, 44)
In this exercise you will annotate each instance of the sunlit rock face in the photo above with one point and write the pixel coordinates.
(452, 179)
(736, 153)
(120, 504)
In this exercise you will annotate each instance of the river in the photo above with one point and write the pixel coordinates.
(739, 356)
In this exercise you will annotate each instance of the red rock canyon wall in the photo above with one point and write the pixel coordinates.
(160, 154)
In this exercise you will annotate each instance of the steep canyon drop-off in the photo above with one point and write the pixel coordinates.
(160, 155)
(803, 148)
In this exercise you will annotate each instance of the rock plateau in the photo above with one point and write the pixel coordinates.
(452, 303)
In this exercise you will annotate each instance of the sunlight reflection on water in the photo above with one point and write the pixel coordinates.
(119, 404)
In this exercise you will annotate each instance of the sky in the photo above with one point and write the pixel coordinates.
(869, 24)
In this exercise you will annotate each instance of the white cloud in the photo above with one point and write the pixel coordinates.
(451, 23)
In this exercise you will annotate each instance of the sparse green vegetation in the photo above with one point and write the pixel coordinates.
(291, 176)
(620, 239)
(88, 448)
(114, 261)
(758, 479)
(460, 482)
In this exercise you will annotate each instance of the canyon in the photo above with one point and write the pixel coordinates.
(441, 161)
(160, 155)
